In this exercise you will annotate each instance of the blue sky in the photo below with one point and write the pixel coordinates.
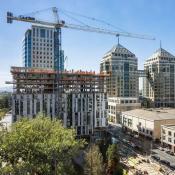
(85, 50)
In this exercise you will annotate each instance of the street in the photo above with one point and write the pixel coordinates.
(136, 157)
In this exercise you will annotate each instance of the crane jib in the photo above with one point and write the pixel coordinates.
(62, 24)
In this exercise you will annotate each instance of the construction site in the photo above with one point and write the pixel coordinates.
(104, 107)
(77, 98)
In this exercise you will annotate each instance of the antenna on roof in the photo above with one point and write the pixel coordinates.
(160, 44)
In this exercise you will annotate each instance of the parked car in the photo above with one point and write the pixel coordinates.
(155, 157)
(172, 166)
(161, 149)
(171, 153)
(124, 140)
(168, 151)
(165, 162)
(133, 145)
(136, 136)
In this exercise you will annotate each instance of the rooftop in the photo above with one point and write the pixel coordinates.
(50, 71)
(120, 49)
(161, 53)
(152, 114)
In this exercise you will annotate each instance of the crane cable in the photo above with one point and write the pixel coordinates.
(73, 18)
(93, 19)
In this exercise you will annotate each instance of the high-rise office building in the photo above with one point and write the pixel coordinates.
(159, 86)
(122, 84)
(41, 47)
(121, 64)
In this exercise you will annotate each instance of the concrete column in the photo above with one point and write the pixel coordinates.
(73, 112)
(48, 104)
(34, 105)
(25, 105)
(40, 96)
(31, 106)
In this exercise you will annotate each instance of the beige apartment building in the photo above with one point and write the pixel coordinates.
(116, 105)
(168, 136)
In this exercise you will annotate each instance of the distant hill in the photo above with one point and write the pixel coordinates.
(6, 89)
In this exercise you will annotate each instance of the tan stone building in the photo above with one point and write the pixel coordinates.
(148, 121)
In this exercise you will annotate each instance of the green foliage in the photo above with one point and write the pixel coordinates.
(146, 103)
(4, 104)
(3, 112)
(5, 100)
(94, 161)
(38, 146)
(113, 166)
(112, 153)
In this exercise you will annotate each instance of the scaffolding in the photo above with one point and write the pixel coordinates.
(81, 103)
(32, 80)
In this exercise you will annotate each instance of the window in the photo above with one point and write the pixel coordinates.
(129, 122)
(151, 133)
(124, 121)
(169, 133)
(33, 31)
(37, 32)
(169, 139)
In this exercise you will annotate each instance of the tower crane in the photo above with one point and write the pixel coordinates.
(58, 25)
(63, 24)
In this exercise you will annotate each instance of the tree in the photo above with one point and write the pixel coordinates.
(38, 146)
(3, 112)
(113, 167)
(5, 100)
(94, 161)
(4, 104)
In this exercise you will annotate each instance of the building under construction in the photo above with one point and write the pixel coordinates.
(77, 98)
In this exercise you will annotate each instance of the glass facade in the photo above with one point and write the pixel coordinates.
(27, 42)
(121, 64)
(160, 82)
(58, 53)
(42, 48)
